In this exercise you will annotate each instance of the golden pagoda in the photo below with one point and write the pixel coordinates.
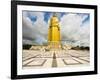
(54, 33)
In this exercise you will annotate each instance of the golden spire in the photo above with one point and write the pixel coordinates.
(54, 32)
(54, 14)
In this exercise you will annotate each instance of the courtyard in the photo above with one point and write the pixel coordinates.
(54, 58)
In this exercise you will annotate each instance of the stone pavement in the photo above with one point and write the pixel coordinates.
(60, 58)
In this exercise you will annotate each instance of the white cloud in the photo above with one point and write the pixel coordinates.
(72, 29)
(35, 31)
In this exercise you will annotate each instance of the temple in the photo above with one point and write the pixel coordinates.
(54, 39)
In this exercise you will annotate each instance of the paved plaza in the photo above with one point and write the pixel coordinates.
(58, 58)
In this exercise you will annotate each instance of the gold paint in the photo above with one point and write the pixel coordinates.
(54, 33)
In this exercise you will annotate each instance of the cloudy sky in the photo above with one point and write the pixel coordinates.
(74, 27)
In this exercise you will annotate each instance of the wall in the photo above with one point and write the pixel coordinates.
(5, 40)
